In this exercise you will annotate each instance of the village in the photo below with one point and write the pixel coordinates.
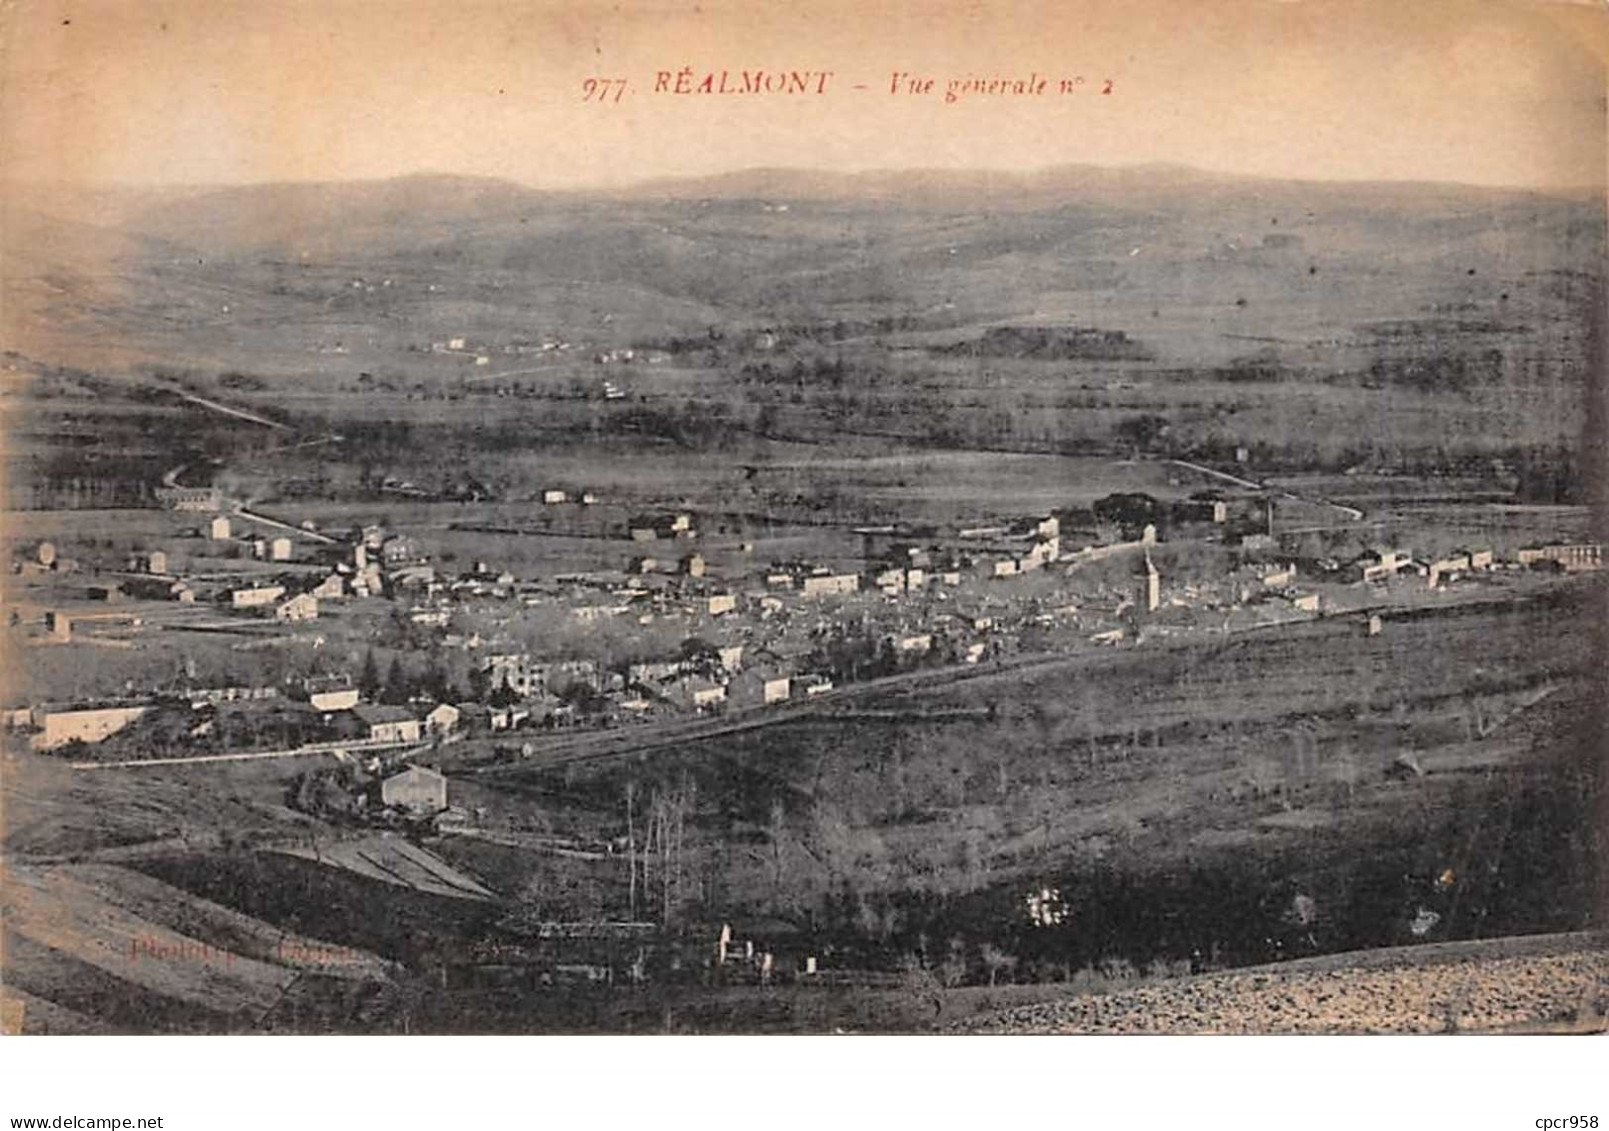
(514, 664)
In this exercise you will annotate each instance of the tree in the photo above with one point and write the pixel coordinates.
(369, 680)
(776, 829)
(631, 844)
(1142, 432)
(398, 687)
(666, 838)
(700, 655)
(996, 960)
(765, 421)
(953, 970)
(1131, 510)
(920, 984)
(584, 698)
(503, 695)
(435, 682)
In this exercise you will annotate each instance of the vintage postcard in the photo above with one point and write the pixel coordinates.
(717, 518)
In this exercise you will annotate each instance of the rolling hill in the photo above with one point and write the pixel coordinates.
(1298, 283)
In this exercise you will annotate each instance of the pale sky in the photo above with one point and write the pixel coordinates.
(222, 91)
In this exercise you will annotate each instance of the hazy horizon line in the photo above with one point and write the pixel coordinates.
(870, 171)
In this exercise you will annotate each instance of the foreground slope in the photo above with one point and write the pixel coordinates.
(1556, 983)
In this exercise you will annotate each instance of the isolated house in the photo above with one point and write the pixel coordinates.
(387, 724)
(331, 695)
(1447, 569)
(701, 694)
(652, 671)
(517, 671)
(442, 719)
(1277, 578)
(399, 550)
(331, 587)
(1380, 563)
(190, 498)
(256, 597)
(829, 584)
(59, 726)
(759, 687)
(776, 689)
(480, 718)
(1570, 557)
(218, 529)
(302, 607)
(418, 788)
(891, 581)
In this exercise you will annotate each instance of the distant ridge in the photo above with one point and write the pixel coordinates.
(1106, 184)
(814, 183)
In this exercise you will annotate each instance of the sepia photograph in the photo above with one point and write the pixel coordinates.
(744, 519)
